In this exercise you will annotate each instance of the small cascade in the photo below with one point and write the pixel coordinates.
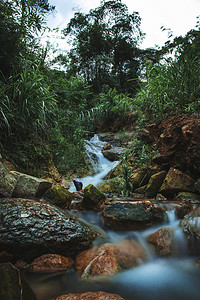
(100, 164)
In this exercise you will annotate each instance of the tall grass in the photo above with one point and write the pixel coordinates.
(172, 85)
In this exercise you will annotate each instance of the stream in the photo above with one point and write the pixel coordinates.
(173, 278)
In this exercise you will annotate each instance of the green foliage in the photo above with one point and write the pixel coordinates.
(110, 106)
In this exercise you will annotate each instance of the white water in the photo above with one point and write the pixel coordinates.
(101, 165)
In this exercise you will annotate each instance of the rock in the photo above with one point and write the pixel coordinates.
(163, 241)
(93, 197)
(59, 196)
(141, 190)
(12, 284)
(7, 182)
(111, 186)
(138, 178)
(190, 226)
(154, 184)
(109, 259)
(90, 296)
(160, 197)
(22, 265)
(197, 185)
(51, 263)
(189, 197)
(38, 228)
(162, 158)
(132, 215)
(176, 181)
(114, 153)
(182, 209)
(29, 187)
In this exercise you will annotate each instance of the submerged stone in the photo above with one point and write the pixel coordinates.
(163, 241)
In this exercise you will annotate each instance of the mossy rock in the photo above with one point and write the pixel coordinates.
(59, 196)
(154, 184)
(138, 178)
(111, 185)
(92, 198)
(141, 190)
(189, 197)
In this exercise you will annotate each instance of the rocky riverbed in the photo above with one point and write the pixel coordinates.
(97, 244)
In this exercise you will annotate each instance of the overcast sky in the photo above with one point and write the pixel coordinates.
(178, 15)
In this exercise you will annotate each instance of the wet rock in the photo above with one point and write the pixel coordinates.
(31, 228)
(93, 197)
(7, 182)
(154, 184)
(114, 153)
(189, 197)
(59, 196)
(182, 209)
(190, 226)
(51, 263)
(90, 296)
(163, 241)
(176, 181)
(29, 187)
(109, 259)
(107, 146)
(132, 215)
(12, 284)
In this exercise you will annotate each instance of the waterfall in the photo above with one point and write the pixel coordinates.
(100, 164)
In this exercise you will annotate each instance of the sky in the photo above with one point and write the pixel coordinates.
(178, 15)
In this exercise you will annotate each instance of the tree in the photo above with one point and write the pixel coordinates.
(105, 45)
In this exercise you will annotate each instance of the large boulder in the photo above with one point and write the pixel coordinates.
(7, 182)
(59, 196)
(132, 214)
(92, 198)
(190, 226)
(176, 181)
(29, 186)
(30, 228)
(90, 296)
(114, 153)
(12, 284)
(109, 258)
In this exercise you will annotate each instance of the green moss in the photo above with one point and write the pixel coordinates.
(59, 196)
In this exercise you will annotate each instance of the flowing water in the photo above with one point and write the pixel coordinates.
(100, 164)
(174, 278)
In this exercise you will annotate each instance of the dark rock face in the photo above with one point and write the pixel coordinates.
(12, 284)
(30, 228)
(132, 215)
